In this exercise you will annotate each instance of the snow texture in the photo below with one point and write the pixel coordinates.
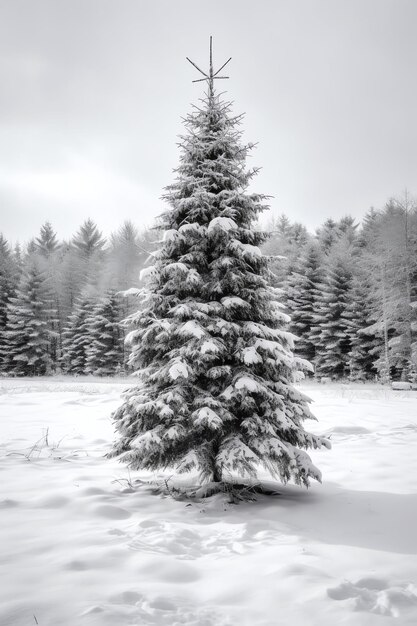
(82, 543)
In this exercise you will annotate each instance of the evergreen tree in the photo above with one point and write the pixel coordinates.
(393, 262)
(105, 354)
(87, 249)
(47, 242)
(327, 235)
(8, 278)
(330, 331)
(369, 229)
(49, 253)
(125, 257)
(284, 245)
(30, 248)
(347, 229)
(77, 336)
(364, 342)
(302, 290)
(28, 335)
(18, 257)
(88, 239)
(215, 362)
(71, 280)
(299, 235)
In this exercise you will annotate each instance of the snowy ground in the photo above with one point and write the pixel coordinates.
(79, 547)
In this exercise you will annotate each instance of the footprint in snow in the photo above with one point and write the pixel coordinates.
(376, 595)
(187, 544)
(159, 610)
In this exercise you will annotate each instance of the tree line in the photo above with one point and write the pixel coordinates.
(350, 291)
(60, 301)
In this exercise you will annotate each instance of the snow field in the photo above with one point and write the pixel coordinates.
(81, 544)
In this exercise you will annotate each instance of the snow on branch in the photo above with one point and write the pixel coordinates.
(194, 227)
(191, 328)
(209, 346)
(233, 301)
(178, 369)
(147, 272)
(250, 356)
(207, 417)
(222, 223)
(188, 462)
(249, 384)
(147, 440)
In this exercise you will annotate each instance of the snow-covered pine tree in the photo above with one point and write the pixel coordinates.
(348, 229)
(47, 242)
(70, 280)
(327, 235)
(28, 333)
(124, 257)
(368, 232)
(364, 343)
(88, 240)
(77, 335)
(105, 351)
(330, 330)
(215, 363)
(302, 290)
(50, 257)
(90, 256)
(8, 279)
(391, 257)
(283, 246)
(18, 257)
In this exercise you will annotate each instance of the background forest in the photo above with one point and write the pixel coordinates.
(350, 289)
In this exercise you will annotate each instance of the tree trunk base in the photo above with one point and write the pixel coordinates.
(236, 492)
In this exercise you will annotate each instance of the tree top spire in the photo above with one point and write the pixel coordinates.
(210, 76)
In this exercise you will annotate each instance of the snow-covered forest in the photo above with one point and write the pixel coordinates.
(350, 289)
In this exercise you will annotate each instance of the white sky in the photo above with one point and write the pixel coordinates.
(92, 94)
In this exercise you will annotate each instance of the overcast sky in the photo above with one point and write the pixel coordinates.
(92, 94)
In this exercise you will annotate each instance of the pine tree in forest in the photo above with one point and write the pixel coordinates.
(215, 363)
(105, 353)
(125, 257)
(299, 234)
(392, 261)
(87, 250)
(369, 304)
(284, 245)
(369, 229)
(18, 257)
(28, 334)
(88, 239)
(330, 330)
(77, 337)
(8, 279)
(327, 235)
(47, 243)
(347, 229)
(71, 280)
(49, 252)
(302, 290)
(364, 342)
